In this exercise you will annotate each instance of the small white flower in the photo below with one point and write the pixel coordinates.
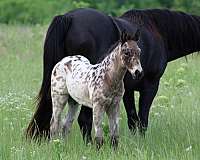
(83, 158)
(180, 70)
(56, 141)
(157, 114)
(190, 93)
(188, 148)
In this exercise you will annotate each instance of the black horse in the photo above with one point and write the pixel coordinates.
(165, 36)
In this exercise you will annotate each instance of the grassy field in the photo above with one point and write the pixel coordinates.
(174, 129)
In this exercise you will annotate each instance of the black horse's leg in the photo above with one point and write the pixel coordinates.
(129, 103)
(147, 95)
(85, 123)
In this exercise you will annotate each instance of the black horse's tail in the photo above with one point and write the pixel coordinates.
(54, 50)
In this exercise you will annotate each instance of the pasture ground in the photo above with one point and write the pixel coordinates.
(174, 128)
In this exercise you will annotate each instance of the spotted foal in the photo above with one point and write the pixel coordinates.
(100, 86)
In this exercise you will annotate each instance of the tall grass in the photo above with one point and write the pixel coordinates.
(174, 128)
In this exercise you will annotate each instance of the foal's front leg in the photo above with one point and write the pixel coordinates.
(98, 112)
(113, 116)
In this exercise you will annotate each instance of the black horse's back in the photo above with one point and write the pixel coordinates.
(91, 34)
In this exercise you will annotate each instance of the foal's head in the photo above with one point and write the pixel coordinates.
(130, 54)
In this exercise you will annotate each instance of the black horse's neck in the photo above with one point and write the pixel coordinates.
(180, 31)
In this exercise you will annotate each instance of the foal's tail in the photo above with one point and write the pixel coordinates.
(39, 125)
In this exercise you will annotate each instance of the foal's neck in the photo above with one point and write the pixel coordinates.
(113, 67)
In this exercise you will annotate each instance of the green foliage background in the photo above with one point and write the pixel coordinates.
(42, 11)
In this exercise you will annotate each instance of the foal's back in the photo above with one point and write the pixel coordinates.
(70, 77)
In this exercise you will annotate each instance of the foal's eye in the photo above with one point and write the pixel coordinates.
(126, 53)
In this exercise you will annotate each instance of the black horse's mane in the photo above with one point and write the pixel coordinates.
(112, 47)
(108, 52)
(180, 31)
(125, 38)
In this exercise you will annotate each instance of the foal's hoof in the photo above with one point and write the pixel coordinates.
(99, 142)
(53, 135)
(114, 142)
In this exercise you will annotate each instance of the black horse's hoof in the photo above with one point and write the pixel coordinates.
(142, 131)
(132, 125)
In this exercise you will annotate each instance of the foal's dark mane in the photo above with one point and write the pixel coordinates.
(180, 31)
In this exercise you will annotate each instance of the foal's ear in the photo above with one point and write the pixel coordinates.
(137, 35)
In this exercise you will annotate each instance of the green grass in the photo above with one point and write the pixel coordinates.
(173, 132)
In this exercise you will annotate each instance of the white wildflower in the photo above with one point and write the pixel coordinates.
(188, 148)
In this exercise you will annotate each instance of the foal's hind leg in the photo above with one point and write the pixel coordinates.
(58, 102)
(59, 95)
(73, 108)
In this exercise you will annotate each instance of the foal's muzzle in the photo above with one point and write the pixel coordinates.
(138, 74)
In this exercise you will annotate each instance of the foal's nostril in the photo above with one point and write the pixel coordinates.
(138, 74)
